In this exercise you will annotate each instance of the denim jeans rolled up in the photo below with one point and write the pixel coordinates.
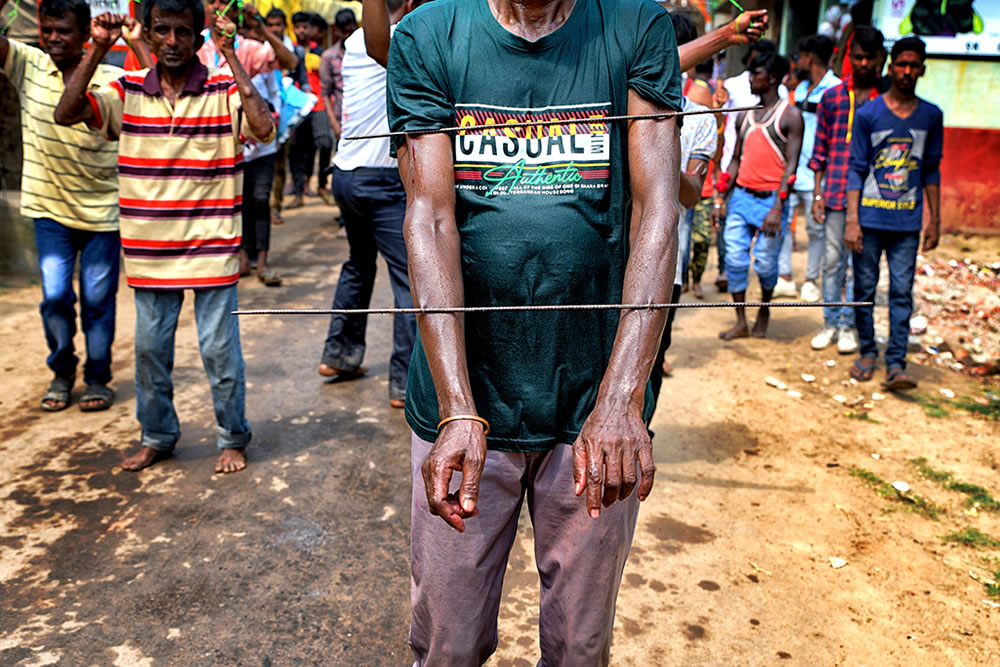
(743, 222)
(219, 340)
(373, 202)
(837, 272)
(900, 250)
(100, 253)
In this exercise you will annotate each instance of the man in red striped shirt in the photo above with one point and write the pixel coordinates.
(180, 128)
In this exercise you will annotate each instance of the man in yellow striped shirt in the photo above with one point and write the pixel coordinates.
(180, 127)
(70, 190)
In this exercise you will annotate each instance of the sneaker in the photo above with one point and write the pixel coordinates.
(810, 293)
(824, 338)
(785, 288)
(847, 341)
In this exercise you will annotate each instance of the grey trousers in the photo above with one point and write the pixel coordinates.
(457, 578)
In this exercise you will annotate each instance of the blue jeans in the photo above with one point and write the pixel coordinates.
(900, 250)
(684, 230)
(156, 314)
(373, 202)
(837, 272)
(100, 256)
(743, 222)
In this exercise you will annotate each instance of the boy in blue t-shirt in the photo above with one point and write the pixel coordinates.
(895, 153)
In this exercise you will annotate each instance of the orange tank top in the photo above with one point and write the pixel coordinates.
(762, 162)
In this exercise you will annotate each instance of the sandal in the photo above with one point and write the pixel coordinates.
(863, 372)
(56, 397)
(270, 278)
(897, 380)
(99, 396)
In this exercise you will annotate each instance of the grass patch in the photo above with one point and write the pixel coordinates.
(912, 502)
(978, 496)
(862, 416)
(993, 589)
(991, 410)
(973, 537)
(932, 406)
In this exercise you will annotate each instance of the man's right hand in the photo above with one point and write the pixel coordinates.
(717, 216)
(853, 238)
(819, 210)
(460, 447)
(106, 29)
(749, 27)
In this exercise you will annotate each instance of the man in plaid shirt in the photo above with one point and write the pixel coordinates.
(834, 121)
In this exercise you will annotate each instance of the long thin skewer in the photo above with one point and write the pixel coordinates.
(511, 309)
(558, 121)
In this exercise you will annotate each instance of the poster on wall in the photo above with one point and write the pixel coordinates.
(949, 27)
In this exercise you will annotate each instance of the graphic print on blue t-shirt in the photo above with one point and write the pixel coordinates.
(538, 160)
(889, 185)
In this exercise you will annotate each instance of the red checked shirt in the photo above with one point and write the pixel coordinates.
(834, 118)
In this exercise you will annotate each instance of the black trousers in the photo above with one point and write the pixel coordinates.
(257, 178)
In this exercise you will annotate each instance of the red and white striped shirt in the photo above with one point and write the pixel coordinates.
(180, 177)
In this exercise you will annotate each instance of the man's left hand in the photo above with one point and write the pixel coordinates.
(932, 234)
(224, 35)
(772, 223)
(605, 454)
(255, 27)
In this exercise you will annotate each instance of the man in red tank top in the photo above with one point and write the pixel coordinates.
(765, 157)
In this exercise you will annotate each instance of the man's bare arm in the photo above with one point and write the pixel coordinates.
(433, 247)
(73, 106)
(748, 28)
(614, 437)
(254, 107)
(286, 59)
(691, 182)
(376, 18)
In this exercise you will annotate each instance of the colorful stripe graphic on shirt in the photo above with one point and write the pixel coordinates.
(536, 159)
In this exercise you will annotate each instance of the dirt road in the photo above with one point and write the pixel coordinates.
(302, 559)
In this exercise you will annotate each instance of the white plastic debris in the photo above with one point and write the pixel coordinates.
(918, 324)
(808, 378)
(794, 394)
(831, 363)
(837, 563)
(876, 456)
(902, 487)
(878, 397)
(947, 393)
(840, 398)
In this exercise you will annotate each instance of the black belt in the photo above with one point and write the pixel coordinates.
(759, 194)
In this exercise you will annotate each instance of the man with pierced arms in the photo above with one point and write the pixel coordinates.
(551, 405)
(179, 128)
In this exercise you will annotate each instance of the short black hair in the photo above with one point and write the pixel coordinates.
(868, 39)
(684, 28)
(759, 47)
(772, 62)
(820, 46)
(318, 21)
(276, 13)
(301, 17)
(345, 17)
(910, 44)
(196, 8)
(705, 67)
(58, 8)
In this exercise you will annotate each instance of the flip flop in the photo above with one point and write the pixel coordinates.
(862, 372)
(340, 374)
(100, 394)
(58, 392)
(897, 380)
(270, 278)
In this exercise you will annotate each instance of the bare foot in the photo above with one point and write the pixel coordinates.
(698, 293)
(760, 326)
(738, 331)
(231, 460)
(666, 370)
(144, 458)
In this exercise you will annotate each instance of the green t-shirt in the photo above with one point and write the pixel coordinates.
(543, 212)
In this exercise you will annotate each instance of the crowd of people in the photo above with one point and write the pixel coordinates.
(179, 164)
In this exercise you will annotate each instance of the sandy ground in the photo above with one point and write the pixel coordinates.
(302, 559)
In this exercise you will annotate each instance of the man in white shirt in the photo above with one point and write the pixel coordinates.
(367, 186)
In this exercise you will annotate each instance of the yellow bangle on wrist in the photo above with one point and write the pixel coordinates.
(455, 418)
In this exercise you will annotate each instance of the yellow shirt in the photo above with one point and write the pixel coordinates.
(69, 173)
(181, 174)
